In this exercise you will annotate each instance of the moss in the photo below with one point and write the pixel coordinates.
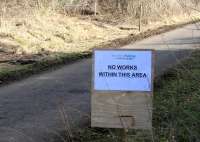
(22, 71)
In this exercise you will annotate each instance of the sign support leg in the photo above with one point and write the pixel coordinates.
(124, 137)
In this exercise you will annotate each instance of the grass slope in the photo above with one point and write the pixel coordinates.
(46, 38)
(26, 65)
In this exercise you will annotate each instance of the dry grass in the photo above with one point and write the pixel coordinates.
(52, 32)
(34, 27)
(35, 31)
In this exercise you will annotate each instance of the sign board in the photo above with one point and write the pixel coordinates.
(122, 88)
(123, 70)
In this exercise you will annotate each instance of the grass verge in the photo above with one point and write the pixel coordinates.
(176, 109)
(177, 97)
(53, 61)
(22, 71)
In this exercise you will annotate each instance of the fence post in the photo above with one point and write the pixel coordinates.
(95, 7)
(140, 17)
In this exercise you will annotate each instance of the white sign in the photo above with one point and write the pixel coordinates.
(123, 70)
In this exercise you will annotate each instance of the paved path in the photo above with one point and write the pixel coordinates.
(32, 110)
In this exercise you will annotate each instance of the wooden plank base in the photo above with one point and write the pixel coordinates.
(122, 110)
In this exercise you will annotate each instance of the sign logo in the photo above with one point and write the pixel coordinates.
(124, 57)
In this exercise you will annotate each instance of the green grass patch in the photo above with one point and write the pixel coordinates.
(177, 103)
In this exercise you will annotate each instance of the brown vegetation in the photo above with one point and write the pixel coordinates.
(33, 30)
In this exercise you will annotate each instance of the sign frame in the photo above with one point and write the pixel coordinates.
(121, 49)
(98, 95)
